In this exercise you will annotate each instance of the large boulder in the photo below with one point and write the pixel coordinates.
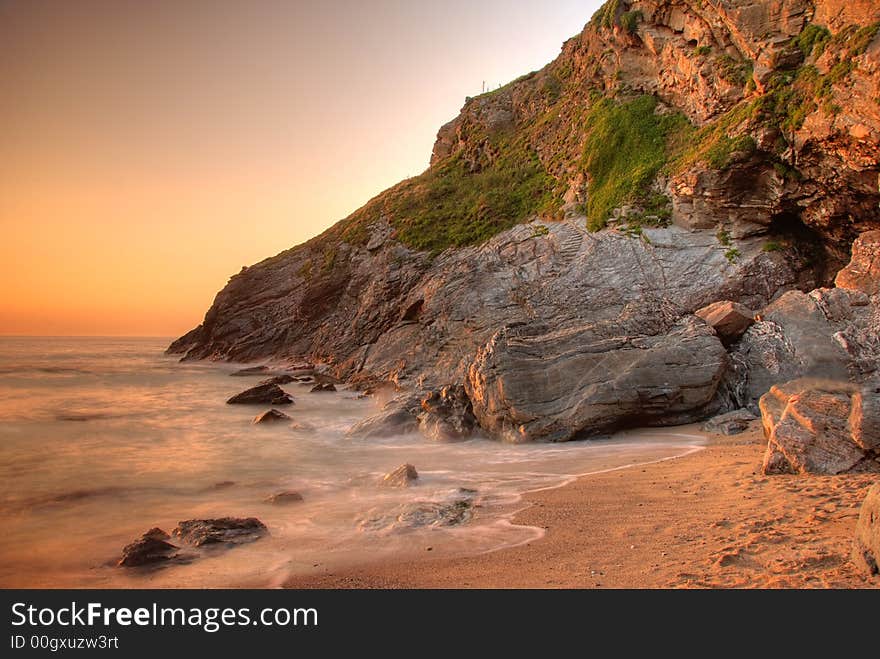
(826, 333)
(447, 415)
(866, 544)
(863, 272)
(728, 319)
(222, 531)
(263, 394)
(531, 383)
(817, 427)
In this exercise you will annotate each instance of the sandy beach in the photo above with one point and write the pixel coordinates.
(706, 520)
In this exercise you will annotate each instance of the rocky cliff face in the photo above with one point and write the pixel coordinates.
(676, 153)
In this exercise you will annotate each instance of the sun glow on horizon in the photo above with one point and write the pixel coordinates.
(149, 150)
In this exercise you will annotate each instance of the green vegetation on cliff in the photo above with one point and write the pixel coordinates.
(456, 203)
(582, 127)
(627, 145)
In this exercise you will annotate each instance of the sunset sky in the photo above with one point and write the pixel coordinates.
(148, 150)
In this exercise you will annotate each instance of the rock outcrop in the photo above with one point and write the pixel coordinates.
(447, 415)
(863, 272)
(270, 416)
(675, 154)
(818, 427)
(826, 333)
(228, 531)
(404, 476)
(263, 394)
(866, 544)
(150, 549)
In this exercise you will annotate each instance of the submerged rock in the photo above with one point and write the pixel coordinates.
(812, 426)
(151, 548)
(398, 416)
(270, 416)
(447, 415)
(421, 514)
(279, 379)
(251, 371)
(284, 498)
(221, 531)
(404, 476)
(866, 544)
(263, 394)
(731, 423)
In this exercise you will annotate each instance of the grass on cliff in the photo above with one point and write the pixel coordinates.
(627, 145)
(452, 206)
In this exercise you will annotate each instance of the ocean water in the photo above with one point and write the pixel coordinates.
(104, 438)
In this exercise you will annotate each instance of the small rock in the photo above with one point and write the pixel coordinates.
(263, 394)
(152, 547)
(224, 530)
(271, 416)
(319, 388)
(404, 476)
(729, 319)
(286, 497)
(732, 423)
(222, 485)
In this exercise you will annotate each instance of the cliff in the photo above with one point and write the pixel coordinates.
(676, 153)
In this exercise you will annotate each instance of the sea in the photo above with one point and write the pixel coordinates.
(102, 439)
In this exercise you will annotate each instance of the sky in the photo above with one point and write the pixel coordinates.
(149, 150)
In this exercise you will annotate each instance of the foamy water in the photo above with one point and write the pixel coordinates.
(102, 439)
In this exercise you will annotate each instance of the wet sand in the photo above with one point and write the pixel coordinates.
(706, 520)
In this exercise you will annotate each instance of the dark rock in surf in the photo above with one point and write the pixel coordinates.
(263, 394)
(398, 416)
(222, 531)
(285, 498)
(270, 416)
(404, 476)
(251, 371)
(447, 415)
(151, 548)
(279, 379)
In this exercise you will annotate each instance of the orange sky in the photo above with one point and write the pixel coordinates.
(148, 150)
